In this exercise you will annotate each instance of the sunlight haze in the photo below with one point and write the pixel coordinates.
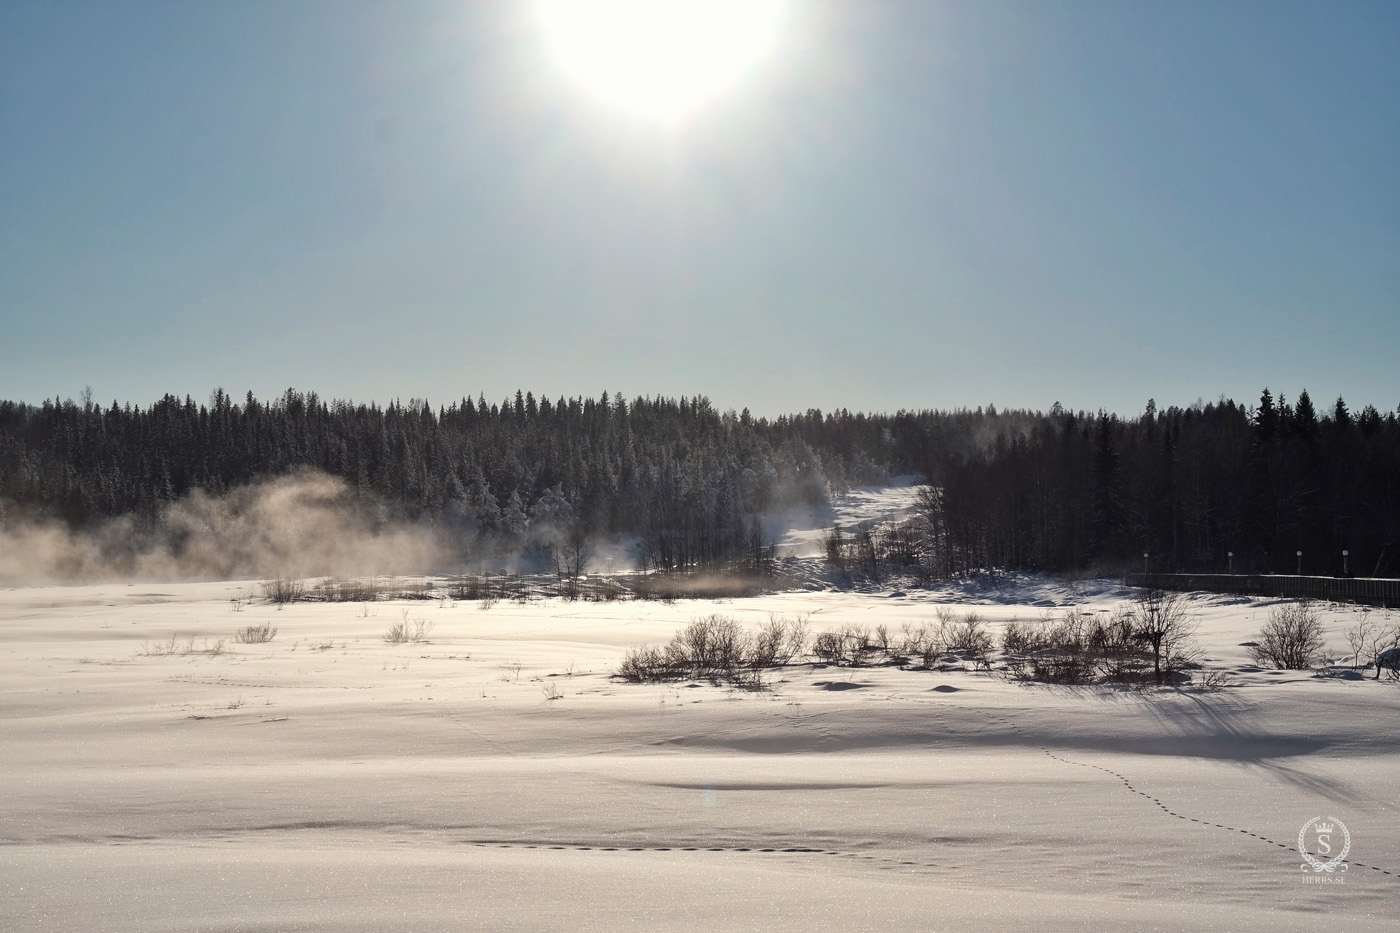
(809, 204)
(659, 58)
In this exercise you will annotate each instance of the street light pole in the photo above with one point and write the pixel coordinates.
(1300, 563)
(1232, 561)
(1144, 562)
(1345, 552)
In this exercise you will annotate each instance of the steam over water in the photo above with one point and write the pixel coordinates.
(303, 524)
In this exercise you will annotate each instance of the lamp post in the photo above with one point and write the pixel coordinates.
(1144, 562)
(1231, 555)
(1345, 552)
(1300, 563)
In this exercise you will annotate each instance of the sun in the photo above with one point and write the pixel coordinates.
(660, 58)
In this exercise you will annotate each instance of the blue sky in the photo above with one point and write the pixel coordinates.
(907, 205)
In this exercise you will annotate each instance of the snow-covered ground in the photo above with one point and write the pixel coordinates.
(329, 780)
(802, 532)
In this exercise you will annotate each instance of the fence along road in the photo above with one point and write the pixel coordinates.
(1371, 591)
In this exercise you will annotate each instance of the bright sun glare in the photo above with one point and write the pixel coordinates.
(660, 57)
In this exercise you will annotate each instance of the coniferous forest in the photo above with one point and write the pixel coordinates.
(1013, 489)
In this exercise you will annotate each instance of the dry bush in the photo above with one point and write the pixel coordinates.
(858, 645)
(477, 588)
(796, 646)
(717, 648)
(405, 630)
(713, 646)
(1118, 650)
(779, 641)
(177, 648)
(255, 634)
(968, 638)
(646, 664)
(284, 590)
(162, 649)
(855, 646)
(1077, 648)
(1211, 681)
(339, 590)
(467, 586)
(1291, 640)
(1370, 637)
(829, 647)
(914, 639)
(1018, 638)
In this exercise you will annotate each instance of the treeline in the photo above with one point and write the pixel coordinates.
(1055, 491)
(1185, 486)
(525, 474)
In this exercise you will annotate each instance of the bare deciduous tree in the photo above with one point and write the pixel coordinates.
(572, 554)
(1162, 619)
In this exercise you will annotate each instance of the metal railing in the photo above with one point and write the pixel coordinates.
(1371, 591)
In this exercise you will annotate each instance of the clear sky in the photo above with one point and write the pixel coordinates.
(895, 205)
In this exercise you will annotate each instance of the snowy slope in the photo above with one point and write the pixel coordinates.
(801, 532)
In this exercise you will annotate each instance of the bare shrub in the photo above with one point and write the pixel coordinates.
(1077, 648)
(796, 645)
(710, 647)
(858, 645)
(1370, 637)
(645, 664)
(363, 590)
(933, 651)
(968, 638)
(281, 590)
(162, 649)
(718, 648)
(1017, 638)
(338, 590)
(1291, 640)
(405, 630)
(829, 647)
(1211, 681)
(778, 641)
(913, 639)
(255, 634)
